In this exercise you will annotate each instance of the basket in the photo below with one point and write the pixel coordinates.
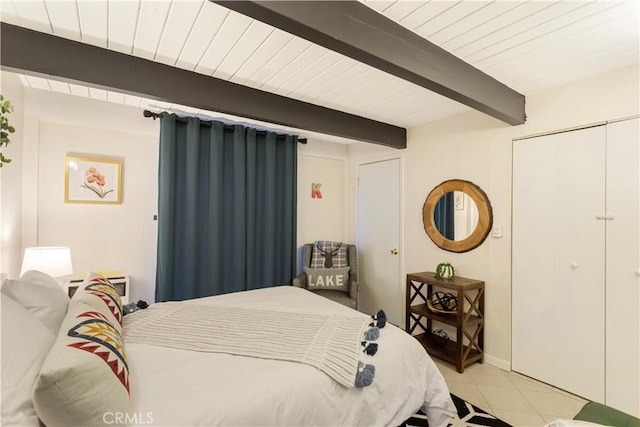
(443, 302)
(440, 337)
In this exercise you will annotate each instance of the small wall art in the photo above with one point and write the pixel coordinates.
(92, 180)
(315, 190)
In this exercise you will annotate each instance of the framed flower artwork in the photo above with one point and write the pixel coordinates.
(92, 180)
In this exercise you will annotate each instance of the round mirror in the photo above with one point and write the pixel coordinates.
(457, 215)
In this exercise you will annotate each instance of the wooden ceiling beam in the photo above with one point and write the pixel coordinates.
(31, 52)
(361, 33)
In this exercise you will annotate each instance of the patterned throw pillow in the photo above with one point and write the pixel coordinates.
(85, 375)
(98, 292)
(334, 279)
(327, 254)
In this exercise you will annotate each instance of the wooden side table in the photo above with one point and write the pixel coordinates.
(468, 319)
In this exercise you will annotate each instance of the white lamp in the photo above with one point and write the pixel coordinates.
(52, 260)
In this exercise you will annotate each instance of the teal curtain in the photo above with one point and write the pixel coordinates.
(444, 214)
(226, 209)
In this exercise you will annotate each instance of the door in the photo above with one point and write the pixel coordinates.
(623, 267)
(378, 239)
(578, 266)
(558, 260)
(532, 324)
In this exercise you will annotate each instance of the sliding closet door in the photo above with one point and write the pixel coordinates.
(578, 267)
(558, 252)
(623, 267)
(532, 255)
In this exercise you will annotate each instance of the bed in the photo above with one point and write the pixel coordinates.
(170, 386)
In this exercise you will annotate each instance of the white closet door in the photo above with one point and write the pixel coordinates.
(558, 260)
(533, 301)
(623, 267)
(578, 268)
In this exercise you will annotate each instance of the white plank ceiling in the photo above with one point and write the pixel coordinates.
(531, 46)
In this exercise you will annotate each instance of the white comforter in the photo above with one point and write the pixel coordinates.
(174, 387)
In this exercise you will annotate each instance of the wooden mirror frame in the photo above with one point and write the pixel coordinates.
(485, 215)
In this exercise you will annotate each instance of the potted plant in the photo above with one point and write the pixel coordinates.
(444, 271)
(5, 128)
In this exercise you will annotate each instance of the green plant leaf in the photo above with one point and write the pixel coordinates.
(5, 127)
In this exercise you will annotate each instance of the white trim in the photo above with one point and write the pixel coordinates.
(623, 119)
(323, 156)
(30, 181)
(571, 129)
(505, 365)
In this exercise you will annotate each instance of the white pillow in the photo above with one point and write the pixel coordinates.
(25, 344)
(85, 375)
(41, 295)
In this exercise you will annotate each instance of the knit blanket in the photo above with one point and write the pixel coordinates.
(331, 343)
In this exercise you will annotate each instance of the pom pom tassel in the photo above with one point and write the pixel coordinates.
(365, 375)
(372, 334)
(371, 349)
(129, 308)
(380, 318)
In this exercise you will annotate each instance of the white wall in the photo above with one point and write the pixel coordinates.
(11, 182)
(101, 237)
(322, 218)
(477, 148)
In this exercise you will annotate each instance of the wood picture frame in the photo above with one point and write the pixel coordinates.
(92, 180)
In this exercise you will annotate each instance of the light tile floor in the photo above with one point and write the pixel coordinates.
(514, 398)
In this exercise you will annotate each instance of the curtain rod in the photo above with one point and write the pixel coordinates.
(154, 116)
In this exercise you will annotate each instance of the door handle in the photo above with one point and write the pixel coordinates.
(394, 251)
(606, 217)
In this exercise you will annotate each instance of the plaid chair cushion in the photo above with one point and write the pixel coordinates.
(327, 254)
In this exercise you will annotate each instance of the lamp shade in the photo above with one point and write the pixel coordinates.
(52, 260)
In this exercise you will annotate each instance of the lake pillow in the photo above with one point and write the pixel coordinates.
(335, 279)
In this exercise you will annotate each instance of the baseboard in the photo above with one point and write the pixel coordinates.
(497, 362)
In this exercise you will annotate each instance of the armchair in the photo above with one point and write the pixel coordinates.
(348, 298)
